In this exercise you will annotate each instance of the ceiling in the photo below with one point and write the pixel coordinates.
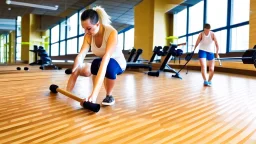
(121, 11)
(184, 5)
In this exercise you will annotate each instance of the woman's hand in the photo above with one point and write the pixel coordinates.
(217, 55)
(88, 99)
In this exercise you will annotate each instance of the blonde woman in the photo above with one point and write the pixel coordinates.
(103, 39)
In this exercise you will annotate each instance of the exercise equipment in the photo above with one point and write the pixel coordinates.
(187, 58)
(164, 66)
(248, 57)
(148, 64)
(132, 53)
(68, 71)
(35, 51)
(26, 68)
(135, 64)
(45, 61)
(87, 105)
(138, 53)
(171, 52)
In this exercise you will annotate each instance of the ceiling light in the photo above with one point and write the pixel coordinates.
(32, 5)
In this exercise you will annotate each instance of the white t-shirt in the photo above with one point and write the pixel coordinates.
(207, 43)
(117, 54)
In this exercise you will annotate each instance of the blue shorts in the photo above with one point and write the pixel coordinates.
(204, 54)
(113, 68)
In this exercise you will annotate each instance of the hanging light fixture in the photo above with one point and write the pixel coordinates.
(9, 2)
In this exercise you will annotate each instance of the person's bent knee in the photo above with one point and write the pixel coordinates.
(85, 73)
(211, 69)
(86, 70)
(203, 66)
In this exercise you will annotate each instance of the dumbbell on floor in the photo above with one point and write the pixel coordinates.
(25, 68)
(68, 71)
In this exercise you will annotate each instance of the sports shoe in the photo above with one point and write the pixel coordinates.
(206, 83)
(209, 83)
(109, 100)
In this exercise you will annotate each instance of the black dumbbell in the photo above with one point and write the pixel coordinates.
(68, 71)
(26, 68)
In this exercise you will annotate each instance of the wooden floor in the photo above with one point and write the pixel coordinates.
(147, 109)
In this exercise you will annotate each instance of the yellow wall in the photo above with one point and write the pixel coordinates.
(25, 37)
(252, 39)
(163, 21)
(30, 24)
(152, 24)
(11, 47)
(143, 27)
(171, 26)
(35, 35)
(46, 39)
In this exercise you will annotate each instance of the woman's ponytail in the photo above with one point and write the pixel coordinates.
(104, 18)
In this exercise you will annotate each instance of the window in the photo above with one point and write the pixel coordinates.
(184, 47)
(240, 11)
(62, 48)
(216, 13)
(196, 17)
(180, 23)
(7, 47)
(2, 47)
(63, 30)
(121, 40)
(18, 30)
(192, 42)
(81, 29)
(72, 46)
(240, 38)
(72, 25)
(221, 37)
(18, 26)
(55, 34)
(18, 48)
(129, 39)
(55, 49)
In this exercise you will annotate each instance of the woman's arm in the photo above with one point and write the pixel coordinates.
(84, 49)
(110, 47)
(216, 44)
(198, 40)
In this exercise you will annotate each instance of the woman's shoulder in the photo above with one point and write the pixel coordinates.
(110, 27)
(212, 33)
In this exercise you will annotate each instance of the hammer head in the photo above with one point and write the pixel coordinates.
(53, 88)
(91, 106)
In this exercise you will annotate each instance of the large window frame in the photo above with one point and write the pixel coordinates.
(227, 27)
(123, 43)
(63, 39)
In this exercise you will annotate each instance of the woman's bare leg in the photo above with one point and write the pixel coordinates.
(84, 70)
